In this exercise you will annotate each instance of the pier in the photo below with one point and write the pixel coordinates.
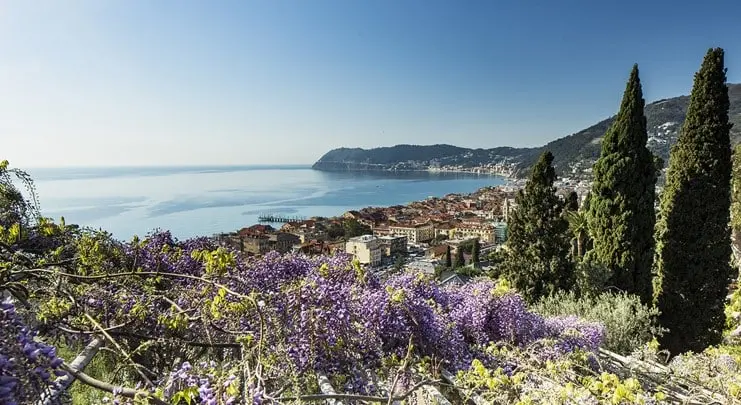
(279, 218)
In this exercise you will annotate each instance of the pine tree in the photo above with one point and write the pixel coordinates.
(621, 214)
(537, 260)
(693, 249)
(448, 258)
(460, 260)
(475, 252)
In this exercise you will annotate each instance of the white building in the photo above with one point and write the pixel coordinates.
(368, 249)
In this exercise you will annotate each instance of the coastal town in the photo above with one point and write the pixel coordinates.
(422, 235)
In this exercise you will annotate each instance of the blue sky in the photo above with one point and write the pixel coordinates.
(255, 82)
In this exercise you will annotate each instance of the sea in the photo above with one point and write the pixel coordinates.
(206, 200)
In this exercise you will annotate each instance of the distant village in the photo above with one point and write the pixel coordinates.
(418, 235)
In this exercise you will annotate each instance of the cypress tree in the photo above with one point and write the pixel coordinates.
(693, 249)
(537, 260)
(475, 252)
(572, 201)
(448, 258)
(621, 214)
(460, 260)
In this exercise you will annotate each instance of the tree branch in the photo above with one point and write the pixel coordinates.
(107, 387)
(79, 363)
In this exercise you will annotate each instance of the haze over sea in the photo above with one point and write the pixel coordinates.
(203, 200)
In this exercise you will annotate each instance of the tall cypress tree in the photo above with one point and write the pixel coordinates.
(621, 214)
(572, 201)
(460, 259)
(537, 259)
(693, 248)
(475, 252)
(448, 258)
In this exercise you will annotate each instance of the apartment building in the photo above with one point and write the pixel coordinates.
(392, 245)
(367, 249)
(485, 232)
(415, 233)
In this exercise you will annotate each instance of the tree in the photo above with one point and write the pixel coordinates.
(475, 252)
(354, 228)
(537, 261)
(736, 198)
(399, 263)
(460, 259)
(621, 214)
(578, 227)
(448, 258)
(693, 249)
(572, 201)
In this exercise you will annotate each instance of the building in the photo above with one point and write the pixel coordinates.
(508, 206)
(367, 249)
(422, 265)
(255, 244)
(393, 245)
(415, 233)
(260, 239)
(500, 232)
(485, 233)
(283, 241)
(445, 229)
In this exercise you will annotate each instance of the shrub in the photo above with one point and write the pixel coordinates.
(629, 323)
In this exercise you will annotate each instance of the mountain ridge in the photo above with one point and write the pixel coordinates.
(573, 154)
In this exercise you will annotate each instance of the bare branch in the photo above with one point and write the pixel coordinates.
(107, 387)
(79, 363)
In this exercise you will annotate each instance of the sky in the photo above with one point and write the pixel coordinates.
(180, 82)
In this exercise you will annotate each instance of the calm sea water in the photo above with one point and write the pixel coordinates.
(195, 201)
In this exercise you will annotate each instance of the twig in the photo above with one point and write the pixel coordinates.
(115, 343)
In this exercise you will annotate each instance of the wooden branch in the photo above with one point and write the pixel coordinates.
(326, 387)
(107, 387)
(79, 363)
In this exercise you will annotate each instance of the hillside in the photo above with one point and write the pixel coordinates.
(574, 154)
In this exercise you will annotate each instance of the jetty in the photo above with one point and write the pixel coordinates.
(279, 218)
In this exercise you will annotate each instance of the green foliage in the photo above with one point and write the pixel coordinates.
(572, 202)
(733, 310)
(630, 324)
(580, 235)
(591, 278)
(399, 263)
(15, 208)
(348, 228)
(98, 253)
(621, 213)
(448, 258)
(537, 260)
(460, 259)
(693, 251)
(475, 253)
(354, 228)
(736, 196)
